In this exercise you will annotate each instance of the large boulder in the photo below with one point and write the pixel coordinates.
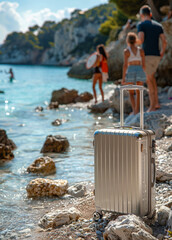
(79, 70)
(5, 140)
(64, 96)
(128, 227)
(156, 121)
(41, 187)
(115, 60)
(163, 215)
(55, 144)
(42, 165)
(100, 107)
(5, 153)
(59, 217)
(84, 97)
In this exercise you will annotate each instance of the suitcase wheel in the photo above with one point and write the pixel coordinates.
(97, 216)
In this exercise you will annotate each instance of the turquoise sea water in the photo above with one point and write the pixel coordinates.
(28, 129)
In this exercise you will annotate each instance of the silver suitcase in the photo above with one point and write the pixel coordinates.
(125, 166)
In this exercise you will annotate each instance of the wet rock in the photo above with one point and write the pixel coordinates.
(162, 176)
(55, 144)
(5, 153)
(64, 96)
(128, 227)
(42, 165)
(163, 215)
(41, 187)
(168, 131)
(84, 97)
(59, 217)
(57, 122)
(170, 93)
(39, 109)
(5, 140)
(53, 105)
(100, 107)
(78, 190)
(153, 120)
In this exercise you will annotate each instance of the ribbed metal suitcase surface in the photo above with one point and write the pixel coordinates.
(124, 170)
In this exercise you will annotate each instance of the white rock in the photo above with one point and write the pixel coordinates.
(163, 215)
(128, 227)
(41, 187)
(78, 190)
(59, 217)
(168, 131)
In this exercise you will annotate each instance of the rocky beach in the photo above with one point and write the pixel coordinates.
(68, 212)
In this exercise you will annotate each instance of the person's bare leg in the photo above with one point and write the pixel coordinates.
(157, 105)
(132, 99)
(100, 87)
(151, 93)
(138, 98)
(94, 84)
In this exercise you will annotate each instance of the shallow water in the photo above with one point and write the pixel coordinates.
(28, 129)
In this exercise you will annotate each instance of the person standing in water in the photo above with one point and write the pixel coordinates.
(11, 75)
(101, 70)
(133, 69)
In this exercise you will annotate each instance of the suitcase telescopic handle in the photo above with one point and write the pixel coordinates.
(131, 87)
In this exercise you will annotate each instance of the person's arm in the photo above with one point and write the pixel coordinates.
(125, 65)
(143, 58)
(140, 39)
(164, 44)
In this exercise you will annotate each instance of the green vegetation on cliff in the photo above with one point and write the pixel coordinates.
(42, 37)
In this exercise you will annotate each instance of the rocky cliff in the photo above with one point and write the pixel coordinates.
(73, 38)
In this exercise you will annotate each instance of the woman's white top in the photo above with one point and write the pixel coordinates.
(134, 57)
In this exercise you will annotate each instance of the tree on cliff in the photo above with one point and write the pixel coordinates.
(131, 7)
(113, 22)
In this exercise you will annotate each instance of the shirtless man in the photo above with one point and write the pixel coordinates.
(149, 33)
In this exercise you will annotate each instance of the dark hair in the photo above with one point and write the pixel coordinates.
(102, 50)
(145, 10)
(131, 38)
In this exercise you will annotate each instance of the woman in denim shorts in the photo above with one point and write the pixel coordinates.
(133, 69)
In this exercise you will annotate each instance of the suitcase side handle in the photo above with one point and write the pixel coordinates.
(154, 172)
(131, 87)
